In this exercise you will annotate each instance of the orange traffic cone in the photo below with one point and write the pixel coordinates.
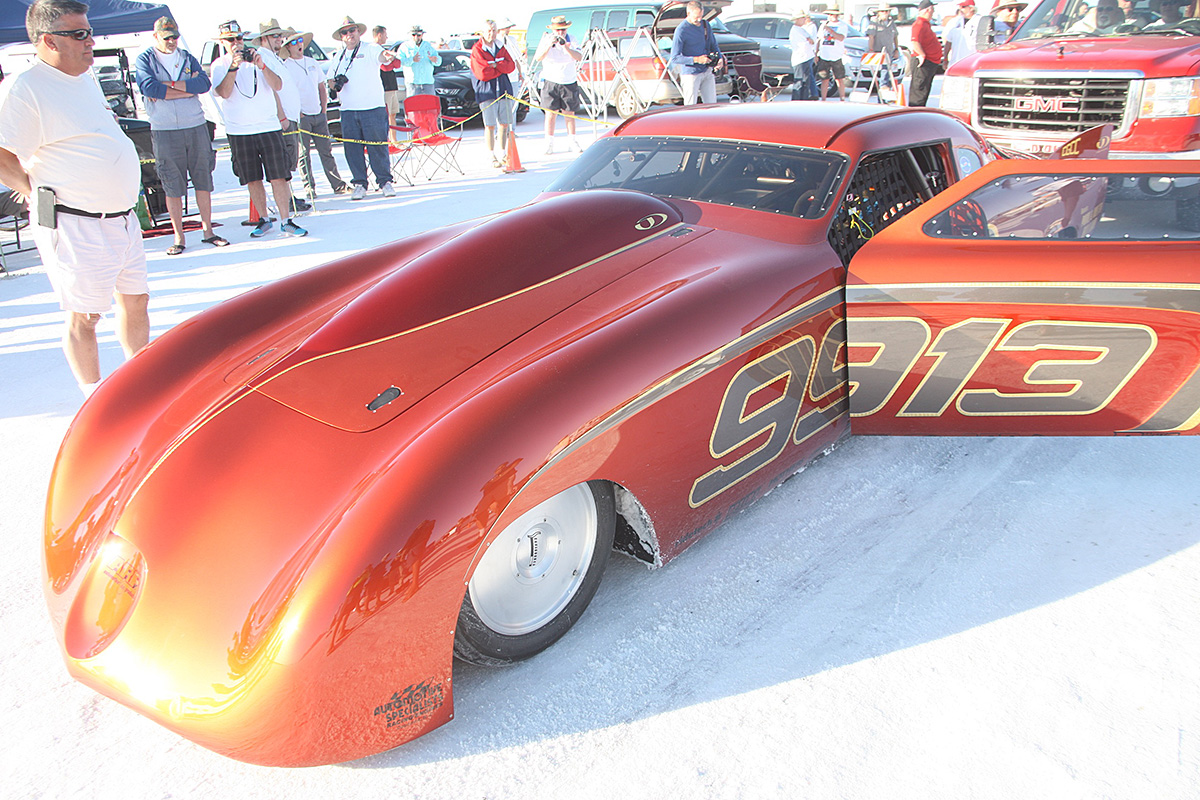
(254, 217)
(901, 99)
(513, 162)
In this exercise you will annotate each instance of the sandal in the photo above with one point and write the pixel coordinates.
(216, 241)
(175, 249)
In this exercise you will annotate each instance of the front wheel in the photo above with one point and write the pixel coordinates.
(537, 577)
(626, 102)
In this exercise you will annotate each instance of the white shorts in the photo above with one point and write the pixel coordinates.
(89, 259)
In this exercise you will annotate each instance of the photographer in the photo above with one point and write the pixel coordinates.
(695, 54)
(560, 75)
(245, 86)
(354, 78)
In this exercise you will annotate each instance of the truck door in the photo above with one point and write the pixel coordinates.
(1033, 297)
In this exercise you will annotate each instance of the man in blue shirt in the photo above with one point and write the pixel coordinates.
(694, 52)
(419, 58)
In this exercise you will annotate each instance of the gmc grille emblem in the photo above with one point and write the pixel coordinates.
(1041, 105)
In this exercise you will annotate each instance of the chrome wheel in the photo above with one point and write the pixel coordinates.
(537, 576)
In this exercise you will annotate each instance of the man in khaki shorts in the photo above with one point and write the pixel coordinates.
(61, 146)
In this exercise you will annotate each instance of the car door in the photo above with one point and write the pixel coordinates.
(1033, 297)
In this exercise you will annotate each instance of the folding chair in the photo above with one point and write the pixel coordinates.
(430, 149)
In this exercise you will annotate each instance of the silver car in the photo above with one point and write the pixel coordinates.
(771, 32)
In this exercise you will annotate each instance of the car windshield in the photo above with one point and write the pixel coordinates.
(1098, 18)
(453, 62)
(788, 180)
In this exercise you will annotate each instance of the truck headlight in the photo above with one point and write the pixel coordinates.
(1171, 97)
(956, 93)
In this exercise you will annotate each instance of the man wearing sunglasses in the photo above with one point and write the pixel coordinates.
(171, 81)
(245, 84)
(61, 145)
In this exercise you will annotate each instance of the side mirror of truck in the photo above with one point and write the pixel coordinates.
(985, 32)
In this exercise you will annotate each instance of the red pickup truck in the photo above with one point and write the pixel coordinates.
(1074, 64)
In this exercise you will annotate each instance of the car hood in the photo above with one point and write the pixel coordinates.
(452, 306)
(1178, 56)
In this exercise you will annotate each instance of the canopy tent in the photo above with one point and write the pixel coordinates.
(106, 17)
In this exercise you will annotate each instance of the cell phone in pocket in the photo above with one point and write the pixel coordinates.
(47, 216)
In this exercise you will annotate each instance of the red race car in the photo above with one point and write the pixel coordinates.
(274, 528)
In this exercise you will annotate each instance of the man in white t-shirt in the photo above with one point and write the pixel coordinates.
(831, 46)
(353, 75)
(314, 124)
(61, 145)
(803, 39)
(245, 81)
(559, 55)
(270, 44)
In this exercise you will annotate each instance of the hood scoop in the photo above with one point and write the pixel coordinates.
(451, 307)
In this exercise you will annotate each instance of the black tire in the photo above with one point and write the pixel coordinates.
(537, 577)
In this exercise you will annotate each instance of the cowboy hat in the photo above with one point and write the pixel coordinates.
(559, 22)
(268, 28)
(292, 33)
(349, 22)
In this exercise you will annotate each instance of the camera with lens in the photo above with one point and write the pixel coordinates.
(560, 39)
(248, 54)
(339, 81)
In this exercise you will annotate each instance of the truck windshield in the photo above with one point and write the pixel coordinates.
(1100, 18)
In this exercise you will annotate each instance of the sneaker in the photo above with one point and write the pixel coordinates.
(575, 145)
(549, 147)
(260, 229)
(345, 188)
(299, 204)
(387, 190)
(359, 192)
(292, 229)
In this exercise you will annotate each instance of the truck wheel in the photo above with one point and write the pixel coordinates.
(626, 102)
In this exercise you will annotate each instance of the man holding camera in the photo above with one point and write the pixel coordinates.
(560, 78)
(353, 76)
(696, 55)
(245, 86)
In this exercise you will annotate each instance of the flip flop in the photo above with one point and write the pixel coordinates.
(175, 249)
(216, 241)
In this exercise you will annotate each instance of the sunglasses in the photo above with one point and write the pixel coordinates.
(79, 34)
(344, 31)
(171, 38)
(294, 41)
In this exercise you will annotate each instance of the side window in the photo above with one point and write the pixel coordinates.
(780, 29)
(618, 20)
(1148, 208)
(597, 22)
(644, 19)
(884, 188)
(737, 26)
(758, 29)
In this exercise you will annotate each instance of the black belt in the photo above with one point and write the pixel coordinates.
(75, 212)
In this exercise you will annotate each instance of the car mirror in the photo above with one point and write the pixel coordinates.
(985, 32)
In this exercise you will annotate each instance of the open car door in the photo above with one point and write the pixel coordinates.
(1033, 297)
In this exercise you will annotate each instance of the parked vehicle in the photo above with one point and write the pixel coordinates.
(452, 82)
(1058, 75)
(771, 31)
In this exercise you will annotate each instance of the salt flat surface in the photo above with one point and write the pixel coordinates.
(906, 618)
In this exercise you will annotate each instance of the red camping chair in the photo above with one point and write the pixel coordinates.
(430, 149)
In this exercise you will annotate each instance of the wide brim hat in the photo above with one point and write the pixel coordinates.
(799, 13)
(268, 28)
(349, 22)
(415, 30)
(1019, 6)
(506, 23)
(292, 33)
(833, 9)
(559, 22)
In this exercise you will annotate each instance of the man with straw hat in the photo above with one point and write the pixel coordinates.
(270, 44)
(314, 120)
(803, 39)
(560, 56)
(353, 76)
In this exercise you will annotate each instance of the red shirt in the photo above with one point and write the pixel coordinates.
(922, 34)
